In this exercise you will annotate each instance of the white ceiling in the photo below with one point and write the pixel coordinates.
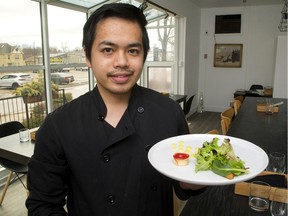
(234, 3)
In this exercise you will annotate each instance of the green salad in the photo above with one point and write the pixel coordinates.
(220, 159)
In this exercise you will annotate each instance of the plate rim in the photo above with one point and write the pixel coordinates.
(209, 183)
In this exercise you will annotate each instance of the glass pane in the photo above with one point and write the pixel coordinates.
(159, 79)
(21, 52)
(20, 35)
(67, 58)
(83, 3)
(65, 29)
(20, 48)
(162, 40)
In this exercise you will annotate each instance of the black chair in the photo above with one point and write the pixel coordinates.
(188, 104)
(7, 129)
(251, 94)
(254, 87)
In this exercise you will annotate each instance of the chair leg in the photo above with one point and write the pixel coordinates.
(6, 187)
(27, 191)
(21, 181)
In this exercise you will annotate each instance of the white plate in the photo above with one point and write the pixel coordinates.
(161, 158)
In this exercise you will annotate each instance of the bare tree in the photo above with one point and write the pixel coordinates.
(166, 35)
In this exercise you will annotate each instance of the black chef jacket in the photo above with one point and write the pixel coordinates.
(102, 170)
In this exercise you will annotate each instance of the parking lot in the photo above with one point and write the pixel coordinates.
(78, 87)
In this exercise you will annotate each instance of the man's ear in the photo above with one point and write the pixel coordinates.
(88, 63)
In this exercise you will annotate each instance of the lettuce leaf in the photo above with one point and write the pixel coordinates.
(220, 159)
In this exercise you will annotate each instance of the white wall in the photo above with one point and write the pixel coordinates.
(280, 77)
(259, 38)
(259, 35)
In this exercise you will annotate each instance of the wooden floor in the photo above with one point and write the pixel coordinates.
(14, 202)
(204, 122)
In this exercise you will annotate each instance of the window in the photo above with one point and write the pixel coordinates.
(159, 78)
(24, 52)
(162, 40)
(21, 51)
(159, 67)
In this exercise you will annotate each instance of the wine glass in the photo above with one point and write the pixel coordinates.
(277, 162)
(278, 205)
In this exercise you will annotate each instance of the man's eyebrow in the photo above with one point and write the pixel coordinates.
(136, 44)
(109, 43)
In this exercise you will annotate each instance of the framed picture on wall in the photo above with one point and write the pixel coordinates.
(228, 55)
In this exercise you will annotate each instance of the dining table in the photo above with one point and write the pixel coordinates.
(12, 149)
(179, 98)
(250, 93)
(269, 132)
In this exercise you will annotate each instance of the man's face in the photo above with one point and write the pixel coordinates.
(117, 55)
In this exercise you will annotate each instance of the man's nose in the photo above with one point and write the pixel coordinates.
(121, 59)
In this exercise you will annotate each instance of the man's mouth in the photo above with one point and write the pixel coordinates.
(120, 78)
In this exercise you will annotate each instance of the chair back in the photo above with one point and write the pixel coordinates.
(237, 105)
(188, 104)
(240, 98)
(254, 87)
(214, 131)
(224, 126)
(226, 119)
(7, 129)
(228, 113)
(251, 94)
(10, 128)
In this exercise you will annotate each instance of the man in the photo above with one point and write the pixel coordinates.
(92, 152)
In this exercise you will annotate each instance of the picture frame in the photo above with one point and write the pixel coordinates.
(228, 55)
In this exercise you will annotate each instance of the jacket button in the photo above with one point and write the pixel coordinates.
(101, 118)
(153, 187)
(106, 158)
(111, 199)
(140, 109)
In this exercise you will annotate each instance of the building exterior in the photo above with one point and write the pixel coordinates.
(11, 55)
(72, 57)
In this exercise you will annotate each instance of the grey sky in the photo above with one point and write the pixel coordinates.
(20, 24)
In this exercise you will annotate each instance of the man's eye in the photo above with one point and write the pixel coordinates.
(107, 50)
(134, 51)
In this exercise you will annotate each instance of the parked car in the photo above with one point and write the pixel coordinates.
(81, 68)
(65, 70)
(60, 78)
(14, 80)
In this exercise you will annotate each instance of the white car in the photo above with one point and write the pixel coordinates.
(14, 80)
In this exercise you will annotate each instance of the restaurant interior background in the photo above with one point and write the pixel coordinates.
(191, 68)
(187, 66)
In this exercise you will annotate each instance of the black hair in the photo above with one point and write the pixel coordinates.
(121, 10)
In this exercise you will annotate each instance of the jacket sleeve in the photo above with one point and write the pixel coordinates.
(46, 175)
